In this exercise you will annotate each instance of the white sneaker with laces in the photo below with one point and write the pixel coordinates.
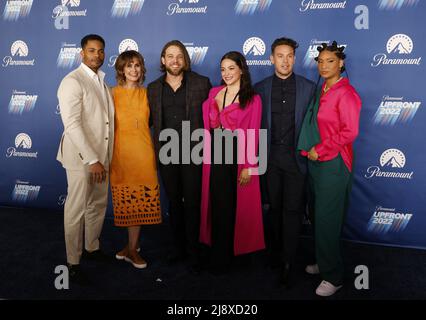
(312, 269)
(326, 289)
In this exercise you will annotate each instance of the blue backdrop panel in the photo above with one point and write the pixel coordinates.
(40, 44)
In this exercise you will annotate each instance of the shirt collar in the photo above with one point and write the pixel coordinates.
(286, 80)
(163, 78)
(100, 75)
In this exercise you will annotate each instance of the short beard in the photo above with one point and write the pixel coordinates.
(174, 73)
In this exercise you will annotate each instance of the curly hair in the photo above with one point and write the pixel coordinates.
(246, 92)
(123, 59)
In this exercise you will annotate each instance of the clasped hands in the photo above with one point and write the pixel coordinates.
(312, 154)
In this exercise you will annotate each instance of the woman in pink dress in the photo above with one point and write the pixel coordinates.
(231, 213)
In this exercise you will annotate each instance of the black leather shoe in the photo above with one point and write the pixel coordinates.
(77, 276)
(285, 275)
(97, 255)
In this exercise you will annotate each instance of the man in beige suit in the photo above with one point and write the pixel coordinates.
(85, 151)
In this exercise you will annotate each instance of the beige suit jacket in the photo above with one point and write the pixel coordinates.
(88, 118)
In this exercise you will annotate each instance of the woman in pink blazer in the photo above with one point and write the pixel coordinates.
(231, 212)
(337, 111)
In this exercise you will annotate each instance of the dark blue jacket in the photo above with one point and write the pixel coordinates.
(305, 90)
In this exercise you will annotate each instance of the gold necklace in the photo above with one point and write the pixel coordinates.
(327, 88)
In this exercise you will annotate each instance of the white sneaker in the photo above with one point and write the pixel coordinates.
(123, 253)
(312, 269)
(326, 289)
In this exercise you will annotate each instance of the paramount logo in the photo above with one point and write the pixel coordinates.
(177, 8)
(22, 141)
(312, 5)
(255, 47)
(391, 161)
(398, 44)
(63, 9)
(19, 49)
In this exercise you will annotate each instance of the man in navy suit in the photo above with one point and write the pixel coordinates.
(285, 97)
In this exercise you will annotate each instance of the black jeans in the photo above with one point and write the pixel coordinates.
(287, 197)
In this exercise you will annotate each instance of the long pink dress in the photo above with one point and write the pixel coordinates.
(248, 235)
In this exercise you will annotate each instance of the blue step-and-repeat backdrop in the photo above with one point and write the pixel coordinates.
(385, 45)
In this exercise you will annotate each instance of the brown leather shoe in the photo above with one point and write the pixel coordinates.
(124, 252)
(136, 260)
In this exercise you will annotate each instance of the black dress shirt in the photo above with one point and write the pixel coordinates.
(283, 104)
(174, 105)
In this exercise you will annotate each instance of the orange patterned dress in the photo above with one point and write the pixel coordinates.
(133, 173)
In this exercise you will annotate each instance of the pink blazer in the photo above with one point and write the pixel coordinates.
(248, 235)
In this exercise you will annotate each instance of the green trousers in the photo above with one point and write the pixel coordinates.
(331, 183)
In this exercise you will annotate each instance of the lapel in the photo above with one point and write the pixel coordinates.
(267, 95)
(187, 93)
(299, 107)
(94, 88)
(159, 103)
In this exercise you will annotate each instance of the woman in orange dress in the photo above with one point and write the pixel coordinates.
(134, 182)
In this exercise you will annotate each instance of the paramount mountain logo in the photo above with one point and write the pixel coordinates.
(249, 7)
(398, 44)
(21, 102)
(394, 109)
(66, 9)
(18, 50)
(15, 9)
(196, 54)
(391, 161)
(69, 56)
(124, 8)
(386, 220)
(22, 142)
(128, 44)
(125, 45)
(396, 4)
(254, 47)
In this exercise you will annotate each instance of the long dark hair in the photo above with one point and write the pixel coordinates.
(246, 92)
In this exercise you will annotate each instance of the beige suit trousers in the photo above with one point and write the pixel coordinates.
(84, 213)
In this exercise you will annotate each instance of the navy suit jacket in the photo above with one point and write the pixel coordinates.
(305, 90)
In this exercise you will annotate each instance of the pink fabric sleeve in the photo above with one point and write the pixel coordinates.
(349, 107)
(214, 119)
